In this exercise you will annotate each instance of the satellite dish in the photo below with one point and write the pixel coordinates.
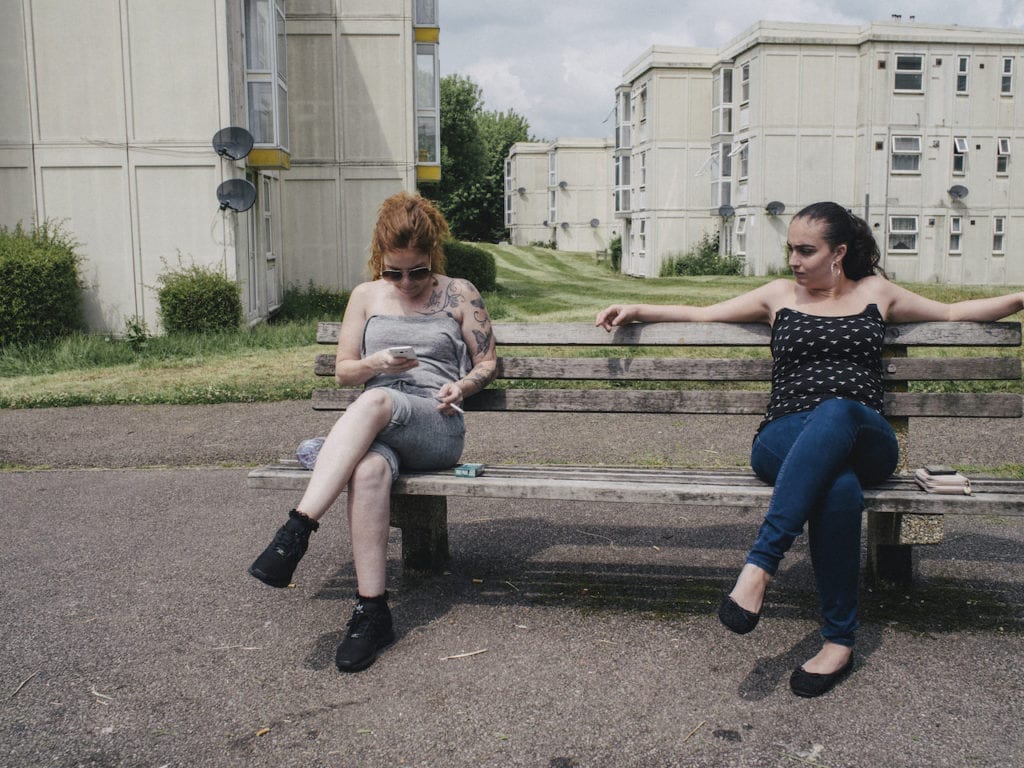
(233, 142)
(236, 194)
(563, 184)
(775, 207)
(958, 191)
(565, 225)
(594, 222)
(725, 211)
(521, 190)
(545, 223)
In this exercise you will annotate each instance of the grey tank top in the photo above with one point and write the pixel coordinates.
(439, 346)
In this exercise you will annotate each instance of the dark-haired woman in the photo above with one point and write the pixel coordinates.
(823, 437)
(407, 416)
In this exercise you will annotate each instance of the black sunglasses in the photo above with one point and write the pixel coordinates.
(415, 274)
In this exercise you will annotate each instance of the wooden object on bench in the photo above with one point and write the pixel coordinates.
(551, 376)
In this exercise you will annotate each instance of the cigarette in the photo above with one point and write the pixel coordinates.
(453, 405)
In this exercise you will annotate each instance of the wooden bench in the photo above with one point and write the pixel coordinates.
(577, 368)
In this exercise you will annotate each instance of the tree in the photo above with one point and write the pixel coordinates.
(474, 144)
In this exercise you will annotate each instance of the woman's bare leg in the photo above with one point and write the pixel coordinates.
(369, 513)
(344, 448)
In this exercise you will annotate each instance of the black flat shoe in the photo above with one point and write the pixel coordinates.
(811, 684)
(736, 618)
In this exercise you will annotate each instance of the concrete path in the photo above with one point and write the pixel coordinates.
(565, 635)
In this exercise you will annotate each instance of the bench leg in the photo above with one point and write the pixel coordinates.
(423, 521)
(891, 538)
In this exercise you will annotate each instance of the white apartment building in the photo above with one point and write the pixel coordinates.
(912, 126)
(108, 110)
(560, 193)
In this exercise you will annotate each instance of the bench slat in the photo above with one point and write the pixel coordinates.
(738, 488)
(931, 334)
(977, 405)
(727, 369)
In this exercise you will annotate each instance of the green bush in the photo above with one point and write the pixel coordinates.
(615, 251)
(470, 263)
(702, 259)
(198, 300)
(40, 289)
(314, 303)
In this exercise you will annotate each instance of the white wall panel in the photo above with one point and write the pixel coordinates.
(92, 204)
(168, 198)
(173, 78)
(15, 127)
(17, 200)
(78, 70)
(311, 235)
(374, 115)
(312, 93)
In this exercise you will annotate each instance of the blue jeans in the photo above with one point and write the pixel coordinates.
(818, 462)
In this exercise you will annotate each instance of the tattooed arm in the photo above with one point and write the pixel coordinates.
(479, 338)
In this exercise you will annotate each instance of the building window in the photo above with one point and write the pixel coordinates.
(959, 155)
(642, 235)
(903, 233)
(721, 176)
(426, 13)
(266, 72)
(428, 99)
(721, 102)
(622, 183)
(552, 176)
(1006, 84)
(956, 230)
(998, 234)
(906, 154)
(623, 118)
(643, 169)
(1003, 155)
(963, 68)
(745, 83)
(909, 73)
(509, 182)
(742, 150)
(641, 106)
(741, 235)
(552, 208)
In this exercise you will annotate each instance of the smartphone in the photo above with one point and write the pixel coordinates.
(407, 353)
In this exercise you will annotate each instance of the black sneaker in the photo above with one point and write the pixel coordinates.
(370, 630)
(277, 563)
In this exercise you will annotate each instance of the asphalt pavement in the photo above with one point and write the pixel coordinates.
(565, 635)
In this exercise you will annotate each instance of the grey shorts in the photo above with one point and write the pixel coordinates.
(419, 437)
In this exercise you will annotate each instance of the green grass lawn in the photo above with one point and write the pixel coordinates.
(274, 362)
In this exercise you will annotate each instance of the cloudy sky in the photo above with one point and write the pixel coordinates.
(557, 62)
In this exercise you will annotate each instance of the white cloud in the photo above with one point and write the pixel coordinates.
(557, 63)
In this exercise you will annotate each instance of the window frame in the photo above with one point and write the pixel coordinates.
(740, 236)
(904, 152)
(999, 235)
(1006, 77)
(902, 233)
(963, 73)
(268, 74)
(960, 149)
(956, 230)
(1003, 156)
(428, 112)
(904, 72)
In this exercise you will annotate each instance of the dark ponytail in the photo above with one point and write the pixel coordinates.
(843, 227)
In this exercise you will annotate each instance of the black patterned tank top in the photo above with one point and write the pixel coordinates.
(817, 358)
